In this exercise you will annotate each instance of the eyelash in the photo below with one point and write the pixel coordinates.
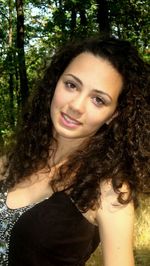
(101, 101)
(70, 85)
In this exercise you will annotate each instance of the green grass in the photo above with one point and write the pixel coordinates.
(141, 237)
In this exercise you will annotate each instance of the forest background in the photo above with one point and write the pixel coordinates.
(30, 31)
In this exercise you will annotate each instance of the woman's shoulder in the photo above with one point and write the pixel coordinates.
(109, 205)
(110, 195)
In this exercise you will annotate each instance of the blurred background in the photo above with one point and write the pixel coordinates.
(30, 31)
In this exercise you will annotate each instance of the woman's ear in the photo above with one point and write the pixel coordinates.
(115, 114)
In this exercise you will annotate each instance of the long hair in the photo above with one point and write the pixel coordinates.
(119, 151)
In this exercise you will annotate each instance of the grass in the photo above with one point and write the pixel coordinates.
(141, 237)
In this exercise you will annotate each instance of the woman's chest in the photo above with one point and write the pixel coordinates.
(54, 226)
(28, 194)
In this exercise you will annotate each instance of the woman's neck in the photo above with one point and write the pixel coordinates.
(64, 148)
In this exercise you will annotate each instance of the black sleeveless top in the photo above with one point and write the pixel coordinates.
(52, 233)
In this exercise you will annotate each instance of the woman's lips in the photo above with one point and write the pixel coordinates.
(69, 121)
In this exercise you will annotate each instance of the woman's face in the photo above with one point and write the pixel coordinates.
(85, 97)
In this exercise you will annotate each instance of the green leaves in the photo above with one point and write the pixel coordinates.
(50, 23)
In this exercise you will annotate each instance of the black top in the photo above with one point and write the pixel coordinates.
(52, 233)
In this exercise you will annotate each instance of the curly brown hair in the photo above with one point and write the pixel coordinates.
(119, 151)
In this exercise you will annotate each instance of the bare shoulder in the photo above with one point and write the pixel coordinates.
(109, 204)
(116, 224)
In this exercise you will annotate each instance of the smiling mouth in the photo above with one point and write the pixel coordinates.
(70, 120)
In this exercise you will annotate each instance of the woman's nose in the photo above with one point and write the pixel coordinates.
(78, 105)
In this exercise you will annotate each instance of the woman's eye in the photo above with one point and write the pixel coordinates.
(98, 101)
(70, 85)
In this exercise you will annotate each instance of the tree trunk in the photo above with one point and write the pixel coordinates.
(18, 97)
(24, 92)
(73, 21)
(10, 67)
(103, 18)
(82, 16)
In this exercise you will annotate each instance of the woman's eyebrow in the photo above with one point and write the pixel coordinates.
(102, 92)
(76, 78)
(94, 90)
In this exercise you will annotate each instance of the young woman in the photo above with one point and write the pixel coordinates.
(80, 159)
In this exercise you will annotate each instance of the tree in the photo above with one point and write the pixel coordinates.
(103, 18)
(10, 61)
(49, 24)
(24, 91)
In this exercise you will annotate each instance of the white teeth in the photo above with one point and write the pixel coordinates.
(69, 119)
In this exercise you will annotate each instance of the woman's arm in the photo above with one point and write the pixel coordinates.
(115, 223)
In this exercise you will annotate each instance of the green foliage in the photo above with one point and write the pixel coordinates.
(47, 25)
